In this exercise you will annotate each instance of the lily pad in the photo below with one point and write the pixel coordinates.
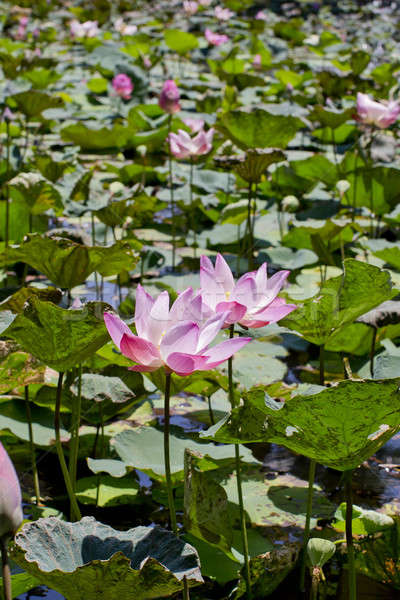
(90, 560)
(107, 491)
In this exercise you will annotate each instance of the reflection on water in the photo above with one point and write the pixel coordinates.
(41, 592)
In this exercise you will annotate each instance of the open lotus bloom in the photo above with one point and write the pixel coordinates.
(376, 113)
(252, 301)
(223, 14)
(195, 125)
(10, 496)
(216, 39)
(88, 29)
(124, 28)
(168, 339)
(122, 86)
(183, 146)
(169, 97)
(190, 7)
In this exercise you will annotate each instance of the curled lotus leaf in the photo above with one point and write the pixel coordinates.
(89, 560)
(256, 162)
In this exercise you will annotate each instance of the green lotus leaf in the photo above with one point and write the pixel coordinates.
(259, 128)
(256, 162)
(67, 263)
(18, 369)
(107, 491)
(32, 102)
(13, 418)
(180, 41)
(90, 560)
(340, 301)
(142, 448)
(387, 251)
(37, 193)
(59, 337)
(320, 551)
(96, 138)
(339, 427)
(17, 301)
(364, 522)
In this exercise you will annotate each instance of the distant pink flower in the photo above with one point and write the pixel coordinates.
(147, 62)
(261, 16)
(8, 114)
(190, 7)
(252, 301)
(23, 21)
(376, 113)
(223, 14)
(123, 28)
(195, 125)
(205, 3)
(183, 146)
(165, 340)
(216, 39)
(169, 97)
(257, 61)
(88, 29)
(21, 32)
(10, 496)
(122, 86)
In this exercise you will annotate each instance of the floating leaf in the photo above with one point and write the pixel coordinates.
(107, 491)
(88, 559)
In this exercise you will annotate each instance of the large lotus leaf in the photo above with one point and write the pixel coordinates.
(259, 128)
(376, 188)
(32, 103)
(387, 251)
(97, 138)
(378, 557)
(316, 168)
(256, 162)
(340, 300)
(38, 193)
(98, 388)
(13, 418)
(17, 301)
(67, 263)
(180, 41)
(332, 232)
(59, 337)
(143, 449)
(107, 491)
(340, 427)
(90, 560)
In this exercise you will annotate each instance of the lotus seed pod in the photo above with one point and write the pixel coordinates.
(320, 551)
(10, 496)
(290, 204)
(142, 150)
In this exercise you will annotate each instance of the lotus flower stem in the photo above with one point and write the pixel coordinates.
(186, 594)
(171, 191)
(372, 351)
(6, 573)
(322, 364)
(250, 228)
(7, 221)
(245, 543)
(210, 411)
(349, 537)
(32, 446)
(311, 477)
(171, 503)
(93, 244)
(192, 208)
(74, 505)
(76, 420)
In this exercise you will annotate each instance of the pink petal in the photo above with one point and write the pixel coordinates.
(144, 304)
(235, 310)
(245, 290)
(185, 364)
(180, 338)
(140, 350)
(157, 320)
(210, 330)
(116, 328)
(278, 309)
(223, 274)
(221, 352)
(179, 308)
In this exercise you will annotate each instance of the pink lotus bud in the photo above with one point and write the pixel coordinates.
(257, 61)
(195, 125)
(215, 39)
(23, 21)
(380, 114)
(10, 496)
(169, 97)
(261, 16)
(123, 86)
(147, 62)
(8, 114)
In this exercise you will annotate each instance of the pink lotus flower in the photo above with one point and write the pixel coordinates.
(205, 3)
(251, 301)
(122, 86)
(166, 341)
(88, 29)
(190, 7)
(257, 62)
(123, 28)
(376, 113)
(215, 39)
(183, 146)
(261, 16)
(169, 97)
(10, 496)
(195, 125)
(223, 14)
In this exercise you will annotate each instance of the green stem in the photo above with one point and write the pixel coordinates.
(210, 411)
(6, 572)
(249, 228)
(167, 462)
(321, 364)
(171, 191)
(186, 594)
(242, 514)
(93, 244)
(192, 209)
(32, 446)
(76, 421)
(311, 477)
(349, 537)
(7, 224)
(60, 453)
(372, 351)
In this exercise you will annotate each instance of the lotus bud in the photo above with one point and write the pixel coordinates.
(169, 97)
(290, 204)
(142, 150)
(11, 515)
(342, 186)
(320, 551)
